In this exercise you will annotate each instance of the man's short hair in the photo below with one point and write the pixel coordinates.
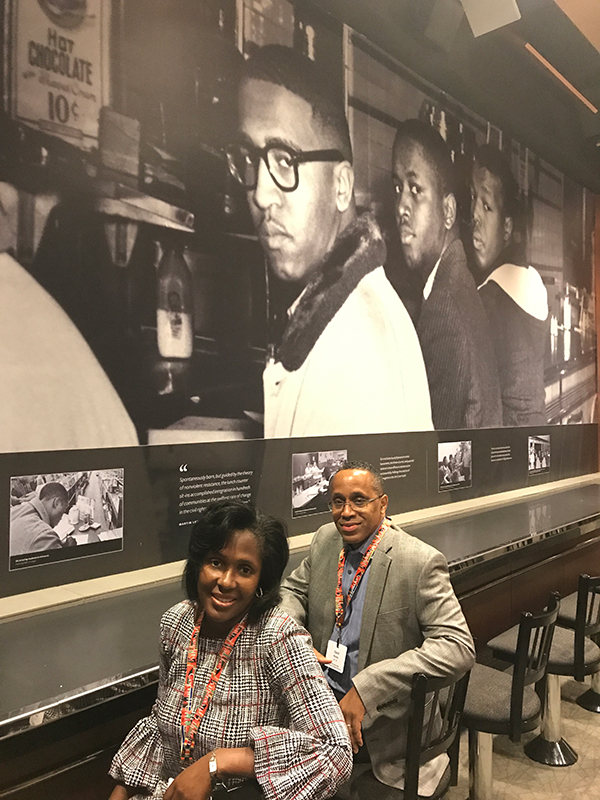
(282, 66)
(496, 163)
(54, 490)
(365, 467)
(435, 148)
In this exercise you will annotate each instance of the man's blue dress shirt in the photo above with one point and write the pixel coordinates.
(341, 682)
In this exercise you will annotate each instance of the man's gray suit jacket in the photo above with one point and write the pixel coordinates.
(412, 622)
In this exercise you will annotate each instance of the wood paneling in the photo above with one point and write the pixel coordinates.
(494, 607)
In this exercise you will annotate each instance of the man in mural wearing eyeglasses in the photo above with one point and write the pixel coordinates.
(453, 327)
(380, 610)
(294, 158)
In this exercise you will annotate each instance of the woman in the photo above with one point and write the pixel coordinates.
(240, 693)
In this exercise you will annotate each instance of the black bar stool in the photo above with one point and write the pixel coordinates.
(584, 604)
(572, 654)
(500, 703)
(428, 735)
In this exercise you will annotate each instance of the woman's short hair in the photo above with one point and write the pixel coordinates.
(217, 522)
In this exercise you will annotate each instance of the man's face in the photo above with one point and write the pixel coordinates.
(356, 524)
(419, 206)
(296, 229)
(489, 225)
(56, 508)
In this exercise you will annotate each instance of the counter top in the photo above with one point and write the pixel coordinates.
(55, 662)
(473, 537)
(58, 660)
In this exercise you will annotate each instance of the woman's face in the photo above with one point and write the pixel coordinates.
(227, 582)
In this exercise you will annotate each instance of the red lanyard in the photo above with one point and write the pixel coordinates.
(340, 606)
(189, 724)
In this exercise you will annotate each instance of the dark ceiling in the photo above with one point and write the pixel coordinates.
(494, 75)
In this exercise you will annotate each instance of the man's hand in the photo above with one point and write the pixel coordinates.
(353, 711)
(191, 784)
(321, 658)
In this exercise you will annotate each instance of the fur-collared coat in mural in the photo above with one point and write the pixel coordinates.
(350, 360)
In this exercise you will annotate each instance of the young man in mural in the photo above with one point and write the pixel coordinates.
(453, 328)
(512, 293)
(399, 615)
(32, 522)
(294, 158)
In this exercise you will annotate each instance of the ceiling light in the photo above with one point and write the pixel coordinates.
(488, 15)
(561, 78)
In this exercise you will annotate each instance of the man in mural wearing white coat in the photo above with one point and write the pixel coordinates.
(54, 395)
(513, 294)
(349, 360)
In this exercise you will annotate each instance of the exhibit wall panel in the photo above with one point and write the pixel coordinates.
(114, 184)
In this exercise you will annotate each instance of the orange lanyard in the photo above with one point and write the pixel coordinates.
(340, 606)
(189, 723)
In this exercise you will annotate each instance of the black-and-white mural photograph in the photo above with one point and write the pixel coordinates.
(54, 517)
(538, 456)
(311, 473)
(185, 243)
(455, 465)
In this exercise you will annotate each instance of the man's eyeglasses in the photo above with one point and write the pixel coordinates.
(282, 163)
(339, 503)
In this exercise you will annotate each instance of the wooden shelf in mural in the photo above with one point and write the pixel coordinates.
(119, 200)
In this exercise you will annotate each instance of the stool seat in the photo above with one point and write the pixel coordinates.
(562, 654)
(561, 660)
(487, 707)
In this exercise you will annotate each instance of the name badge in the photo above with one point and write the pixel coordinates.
(337, 653)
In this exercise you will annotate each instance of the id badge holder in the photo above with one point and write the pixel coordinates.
(337, 653)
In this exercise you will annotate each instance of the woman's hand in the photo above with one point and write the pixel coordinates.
(119, 793)
(191, 784)
(194, 782)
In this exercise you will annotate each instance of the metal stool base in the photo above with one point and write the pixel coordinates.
(553, 754)
(481, 782)
(589, 700)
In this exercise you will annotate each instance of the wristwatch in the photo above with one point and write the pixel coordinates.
(212, 768)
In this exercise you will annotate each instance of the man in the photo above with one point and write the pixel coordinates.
(294, 158)
(54, 395)
(32, 522)
(453, 328)
(400, 617)
(513, 294)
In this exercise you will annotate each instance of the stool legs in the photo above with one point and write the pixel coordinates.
(590, 700)
(549, 747)
(480, 765)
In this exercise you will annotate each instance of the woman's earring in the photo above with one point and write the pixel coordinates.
(259, 592)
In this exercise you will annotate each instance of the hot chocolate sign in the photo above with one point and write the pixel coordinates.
(60, 67)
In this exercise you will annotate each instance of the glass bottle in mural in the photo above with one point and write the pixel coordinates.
(174, 318)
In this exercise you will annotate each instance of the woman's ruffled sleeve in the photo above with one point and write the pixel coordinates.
(312, 758)
(138, 762)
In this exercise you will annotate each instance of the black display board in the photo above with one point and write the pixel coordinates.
(165, 487)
